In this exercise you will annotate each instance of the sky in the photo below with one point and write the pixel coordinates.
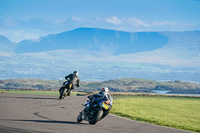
(32, 19)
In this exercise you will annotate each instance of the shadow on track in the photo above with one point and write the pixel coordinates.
(47, 121)
(36, 98)
(52, 121)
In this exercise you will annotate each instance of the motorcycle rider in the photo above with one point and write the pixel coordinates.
(73, 79)
(102, 95)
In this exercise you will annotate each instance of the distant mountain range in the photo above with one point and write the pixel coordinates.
(6, 46)
(101, 54)
(99, 40)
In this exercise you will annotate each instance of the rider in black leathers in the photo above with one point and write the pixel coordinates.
(73, 79)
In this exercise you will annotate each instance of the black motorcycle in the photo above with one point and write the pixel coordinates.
(65, 89)
(99, 110)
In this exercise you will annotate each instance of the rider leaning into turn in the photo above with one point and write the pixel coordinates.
(102, 95)
(73, 79)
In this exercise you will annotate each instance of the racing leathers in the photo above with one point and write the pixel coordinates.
(73, 79)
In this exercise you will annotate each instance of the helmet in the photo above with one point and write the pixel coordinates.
(105, 90)
(76, 73)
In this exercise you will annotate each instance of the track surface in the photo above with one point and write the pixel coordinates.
(20, 113)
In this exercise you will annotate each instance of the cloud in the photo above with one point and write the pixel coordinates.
(17, 35)
(114, 20)
(8, 22)
(166, 23)
(132, 21)
(173, 26)
(73, 18)
(136, 22)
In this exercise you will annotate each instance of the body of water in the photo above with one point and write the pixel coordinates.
(168, 92)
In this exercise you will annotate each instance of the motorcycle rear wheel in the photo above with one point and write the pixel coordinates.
(96, 117)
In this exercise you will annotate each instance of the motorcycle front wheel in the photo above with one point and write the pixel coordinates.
(79, 118)
(96, 117)
(62, 93)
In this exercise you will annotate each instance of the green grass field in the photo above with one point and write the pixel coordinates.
(180, 113)
(177, 112)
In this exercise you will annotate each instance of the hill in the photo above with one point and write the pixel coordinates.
(101, 54)
(98, 40)
(6, 46)
(117, 85)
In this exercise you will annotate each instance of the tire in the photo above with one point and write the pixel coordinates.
(62, 93)
(104, 114)
(60, 97)
(96, 117)
(79, 118)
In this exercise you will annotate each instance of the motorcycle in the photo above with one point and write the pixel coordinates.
(99, 110)
(65, 89)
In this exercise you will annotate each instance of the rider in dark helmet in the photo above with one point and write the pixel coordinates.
(73, 79)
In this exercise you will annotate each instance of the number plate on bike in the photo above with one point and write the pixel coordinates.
(105, 106)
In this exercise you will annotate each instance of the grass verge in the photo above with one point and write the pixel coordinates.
(180, 113)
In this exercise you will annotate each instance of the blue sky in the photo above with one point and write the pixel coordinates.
(31, 19)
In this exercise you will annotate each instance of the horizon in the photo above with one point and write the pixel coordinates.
(38, 39)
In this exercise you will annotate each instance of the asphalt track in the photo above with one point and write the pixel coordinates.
(21, 113)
